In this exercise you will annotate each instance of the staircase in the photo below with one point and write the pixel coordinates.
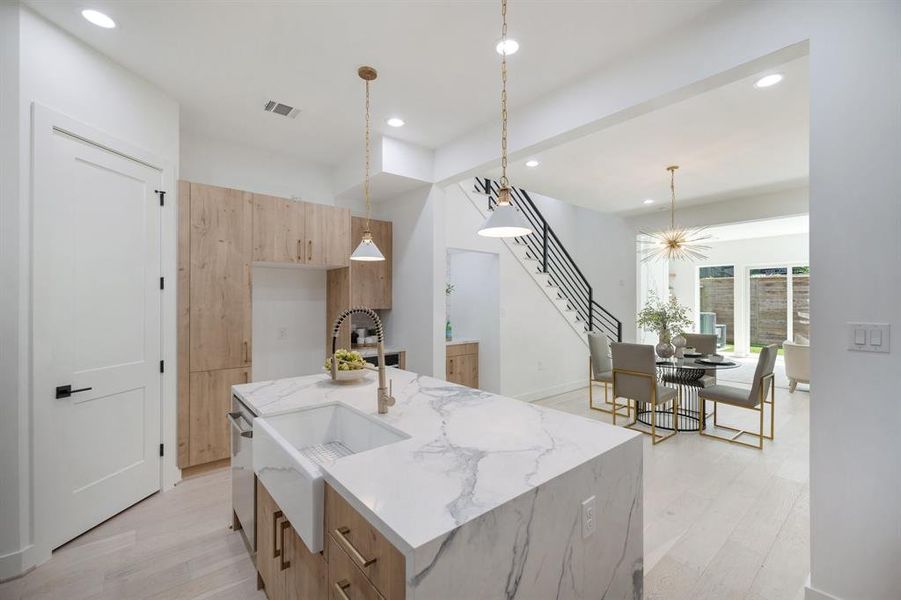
(552, 267)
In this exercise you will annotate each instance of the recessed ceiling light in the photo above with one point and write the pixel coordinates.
(508, 46)
(532, 163)
(648, 201)
(98, 18)
(768, 80)
(395, 122)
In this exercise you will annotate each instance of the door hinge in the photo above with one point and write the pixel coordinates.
(161, 450)
(162, 196)
(162, 366)
(162, 283)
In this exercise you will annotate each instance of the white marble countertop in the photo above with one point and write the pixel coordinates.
(469, 452)
(461, 341)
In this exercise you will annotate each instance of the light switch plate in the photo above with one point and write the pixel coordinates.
(869, 337)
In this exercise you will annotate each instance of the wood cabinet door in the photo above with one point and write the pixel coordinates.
(221, 251)
(463, 369)
(371, 281)
(307, 577)
(279, 234)
(269, 534)
(327, 235)
(210, 400)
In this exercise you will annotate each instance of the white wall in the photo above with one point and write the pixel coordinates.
(67, 76)
(418, 278)
(227, 164)
(474, 308)
(603, 246)
(541, 354)
(288, 321)
(742, 254)
(14, 476)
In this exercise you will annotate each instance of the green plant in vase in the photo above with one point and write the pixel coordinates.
(448, 328)
(667, 319)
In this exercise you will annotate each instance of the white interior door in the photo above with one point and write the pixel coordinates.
(96, 286)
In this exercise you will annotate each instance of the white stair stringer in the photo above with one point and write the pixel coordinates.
(532, 267)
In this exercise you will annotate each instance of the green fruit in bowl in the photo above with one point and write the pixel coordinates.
(348, 360)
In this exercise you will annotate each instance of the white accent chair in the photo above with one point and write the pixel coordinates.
(797, 364)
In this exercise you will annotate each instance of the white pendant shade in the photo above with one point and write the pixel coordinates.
(367, 251)
(505, 222)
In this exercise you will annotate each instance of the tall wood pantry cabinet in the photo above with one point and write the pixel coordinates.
(221, 233)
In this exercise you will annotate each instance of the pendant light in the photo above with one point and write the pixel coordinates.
(367, 251)
(675, 243)
(505, 221)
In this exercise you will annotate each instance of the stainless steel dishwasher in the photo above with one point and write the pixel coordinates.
(243, 481)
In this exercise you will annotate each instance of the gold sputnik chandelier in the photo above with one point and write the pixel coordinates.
(675, 243)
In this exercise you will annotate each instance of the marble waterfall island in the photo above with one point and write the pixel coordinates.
(481, 494)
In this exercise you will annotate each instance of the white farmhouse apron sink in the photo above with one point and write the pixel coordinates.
(290, 448)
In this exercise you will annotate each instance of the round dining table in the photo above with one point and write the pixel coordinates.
(686, 375)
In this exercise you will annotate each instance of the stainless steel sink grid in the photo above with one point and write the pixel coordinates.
(327, 453)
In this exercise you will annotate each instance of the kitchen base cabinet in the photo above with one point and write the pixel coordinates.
(463, 364)
(269, 548)
(306, 577)
(358, 562)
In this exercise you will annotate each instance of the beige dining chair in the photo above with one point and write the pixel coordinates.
(600, 370)
(755, 399)
(705, 343)
(635, 380)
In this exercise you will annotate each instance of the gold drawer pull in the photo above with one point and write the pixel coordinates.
(340, 586)
(275, 517)
(341, 534)
(282, 563)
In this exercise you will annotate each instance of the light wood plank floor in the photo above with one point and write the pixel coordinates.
(721, 522)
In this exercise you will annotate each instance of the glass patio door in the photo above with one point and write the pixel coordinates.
(778, 305)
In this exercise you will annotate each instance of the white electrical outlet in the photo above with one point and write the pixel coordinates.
(282, 333)
(588, 518)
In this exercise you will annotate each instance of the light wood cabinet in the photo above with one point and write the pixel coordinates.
(345, 580)
(462, 364)
(288, 569)
(270, 537)
(327, 232)
(221, 251)
(368, 551)
(307, 576)
(279, 230)
(371, 281)
(221, 232)
(210, 401)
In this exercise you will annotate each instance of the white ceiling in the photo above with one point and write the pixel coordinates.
(732, 141)
(759, 229)
(437, 65)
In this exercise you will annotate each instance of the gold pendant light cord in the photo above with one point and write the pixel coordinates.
(366, 163)
(672, 187)
(504, 181)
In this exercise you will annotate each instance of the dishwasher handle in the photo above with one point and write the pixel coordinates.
(233, 419)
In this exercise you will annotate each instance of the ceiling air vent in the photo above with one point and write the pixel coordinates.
(281, 109)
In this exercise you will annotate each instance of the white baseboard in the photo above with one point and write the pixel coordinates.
(811, 593)
(16, 564)
(552, 391)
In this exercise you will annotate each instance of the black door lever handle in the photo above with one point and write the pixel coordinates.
(64, 391)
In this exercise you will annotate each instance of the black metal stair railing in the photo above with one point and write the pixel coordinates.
(544, 247)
